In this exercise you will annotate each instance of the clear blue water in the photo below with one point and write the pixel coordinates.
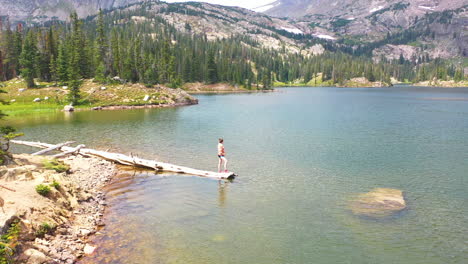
(300, 153)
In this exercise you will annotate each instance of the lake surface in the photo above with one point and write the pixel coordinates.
(300, 153)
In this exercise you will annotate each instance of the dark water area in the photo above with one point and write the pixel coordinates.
(300, 153)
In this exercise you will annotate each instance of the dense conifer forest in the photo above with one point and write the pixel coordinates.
(112, 47)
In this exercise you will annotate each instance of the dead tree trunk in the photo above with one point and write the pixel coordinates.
(133, 161)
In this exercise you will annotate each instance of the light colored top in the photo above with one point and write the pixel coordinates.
(221, 149)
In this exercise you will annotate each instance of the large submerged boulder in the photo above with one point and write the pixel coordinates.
(380, 202)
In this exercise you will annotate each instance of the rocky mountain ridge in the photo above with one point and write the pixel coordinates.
(23, 10)
(413, 28)
(439, 26)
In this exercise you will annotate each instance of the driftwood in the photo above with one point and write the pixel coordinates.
(72, 151)
(134, 161)
(55, 147)
(1, 186)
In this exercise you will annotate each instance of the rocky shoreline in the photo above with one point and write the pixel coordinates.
(73, 211)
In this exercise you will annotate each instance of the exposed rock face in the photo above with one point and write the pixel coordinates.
(372, 20)
(25, 9)
(299, 8)
(379, 202)
(364, 82)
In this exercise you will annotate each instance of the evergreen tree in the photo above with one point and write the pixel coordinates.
(62, 64)
(76, 58)
(7, 133)
(28, 59)
(212, 69)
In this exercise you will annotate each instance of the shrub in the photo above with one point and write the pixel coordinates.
(55, 184)
(8, 243)
(44, 229)
(42, 189)
(56, 165)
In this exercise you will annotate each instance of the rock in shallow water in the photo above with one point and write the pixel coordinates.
(380, 202)
(88, 249)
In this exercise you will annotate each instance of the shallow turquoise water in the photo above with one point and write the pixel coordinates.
(300, 153)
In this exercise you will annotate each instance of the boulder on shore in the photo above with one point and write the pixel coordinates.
(69, 108)
(34, 256)
(380, 202)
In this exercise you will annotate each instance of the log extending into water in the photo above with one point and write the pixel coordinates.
(72, 151)
(133, 161)
(53, 148)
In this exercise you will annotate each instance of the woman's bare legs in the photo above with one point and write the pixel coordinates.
(225, 163)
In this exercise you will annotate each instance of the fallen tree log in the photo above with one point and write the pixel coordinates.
(133, 161)
(55, 147)
(72, 151)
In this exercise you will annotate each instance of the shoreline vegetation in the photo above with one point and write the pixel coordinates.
(49, 97)
(56, 206)
(364, 82)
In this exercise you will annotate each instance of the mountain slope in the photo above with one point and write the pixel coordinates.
(439, 26)
(413, 28)
(353, 8)
(20, 10)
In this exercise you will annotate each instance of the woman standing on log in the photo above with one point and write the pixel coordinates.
(221, 154)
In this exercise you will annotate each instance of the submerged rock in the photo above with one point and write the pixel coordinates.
(88, 249)
(380, 202)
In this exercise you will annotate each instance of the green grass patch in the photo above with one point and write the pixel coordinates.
(56, 165)
(415, 44)
(19, 109)
(44, 229)
(43, 189)
(55, 184)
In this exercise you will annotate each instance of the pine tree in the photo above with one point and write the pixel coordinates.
(212, 69)
(62, 64)
(53, 69)
(100, 73)
(116, 54)
(7, 133)
(76, 54)
(28, 59)
(101, 37)
(458, 76)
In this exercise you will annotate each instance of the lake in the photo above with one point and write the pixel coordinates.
(300, 153)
